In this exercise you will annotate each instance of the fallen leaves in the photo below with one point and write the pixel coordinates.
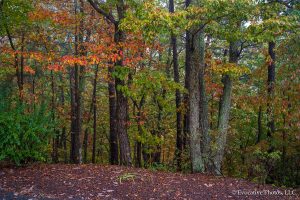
(101, 182)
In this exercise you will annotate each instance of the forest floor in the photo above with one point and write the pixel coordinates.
(115, 182)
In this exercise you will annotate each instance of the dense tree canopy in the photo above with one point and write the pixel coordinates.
(194, 86)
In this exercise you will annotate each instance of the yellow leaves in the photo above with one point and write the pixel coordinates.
(93, 59)
(36, 56)
(153, 20)
(229, 68)
(82, 61)
(269, 60)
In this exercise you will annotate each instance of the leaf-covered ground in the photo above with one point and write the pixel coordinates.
(114, 182)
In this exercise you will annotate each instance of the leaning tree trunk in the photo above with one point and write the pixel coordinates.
(224, 109)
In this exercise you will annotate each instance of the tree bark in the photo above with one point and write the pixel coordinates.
(121, 112)
(113, 136)
(75, 154)
(224, 109)
(63, 137)
(187, 85)
(271, 90)
(95, 115)
(122, 101)
(203, 116)
(196, 123)
(196, 50)
(55, 141)
(179, 142)
(259, 125)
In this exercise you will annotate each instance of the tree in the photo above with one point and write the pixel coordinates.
(121, 99)
(195, 50)
(179, 135)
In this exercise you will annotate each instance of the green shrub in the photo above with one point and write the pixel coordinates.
(263, 163)
(24, 135)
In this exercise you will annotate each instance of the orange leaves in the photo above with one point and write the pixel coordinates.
(36, 56)
(42, 14)
(93, 59)
(39, 14)
(29, 70)
(115, 57)
(82, 61)
(62, 18)
(55, 67)
(72, 60)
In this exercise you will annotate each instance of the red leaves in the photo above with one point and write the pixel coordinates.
(29, 70)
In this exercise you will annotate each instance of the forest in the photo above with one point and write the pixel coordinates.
(179, 86)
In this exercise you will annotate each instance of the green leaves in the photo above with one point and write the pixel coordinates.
(24, 136)
(121, 72)
(14, 13)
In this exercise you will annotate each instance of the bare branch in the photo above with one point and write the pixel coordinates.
(102, 12)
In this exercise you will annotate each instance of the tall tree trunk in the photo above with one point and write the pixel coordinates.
(203, 115)
(195, 64)
(63, 142)
(187, 85)
(271, 91)
(16, 59)
(186, 136)
(259, 125)
(113, 136)
(21, 87)
(95, 115)
(179, 142)
(139, 144)
(76, 146)
(121, 110)
(122, 101)
(75, 155)
(92, 111)
(55, 141)
(73, 117)
(139, 107)
(85, 144)
(224, 109)
(196, 50)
